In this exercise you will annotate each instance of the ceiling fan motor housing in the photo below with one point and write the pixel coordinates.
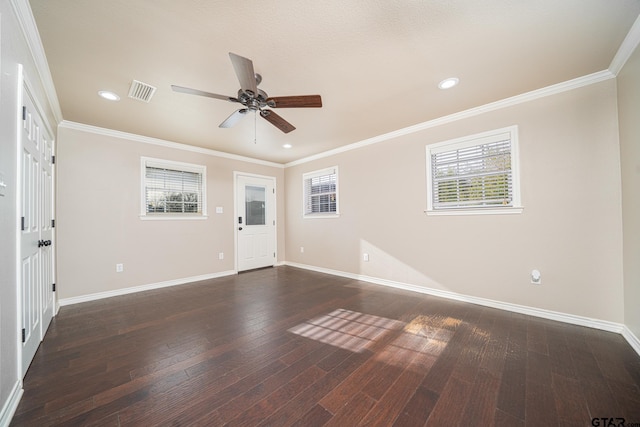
(253, 102)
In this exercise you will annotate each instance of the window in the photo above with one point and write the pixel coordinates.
(172, 190)
(474, 174)
(321, 193)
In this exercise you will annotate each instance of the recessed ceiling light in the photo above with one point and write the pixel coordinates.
(448, 83)
(287, 146)
(109, 95)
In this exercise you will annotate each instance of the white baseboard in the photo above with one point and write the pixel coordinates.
(633, 340)
(125, 291)
(531, 311)
(11, 404)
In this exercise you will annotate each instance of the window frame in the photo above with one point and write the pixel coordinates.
(305, 197)
(146, 162)
(471, 141)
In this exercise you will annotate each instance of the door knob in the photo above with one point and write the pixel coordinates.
(240, 228)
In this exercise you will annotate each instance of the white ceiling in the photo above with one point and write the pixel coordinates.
(376, 63)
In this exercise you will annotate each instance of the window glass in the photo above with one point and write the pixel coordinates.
(255, 205)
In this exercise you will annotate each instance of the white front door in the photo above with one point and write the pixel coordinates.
(36, 203)
(255, 222)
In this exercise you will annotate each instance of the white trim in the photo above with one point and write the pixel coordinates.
(163, 143)
(11, 404)
(633, 340)
(501, 211)
(507, 102)
(627, 47)
(20, 93)
(29, 29)
(169, 217)
(142, 288)
(516, 308)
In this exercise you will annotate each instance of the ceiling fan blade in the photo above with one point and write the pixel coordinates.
(201, 93)
(277, 121)
(244, 70)
(234, 118)
(300, 101)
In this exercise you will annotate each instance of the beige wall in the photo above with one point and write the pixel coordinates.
(570, 229)
(628, 113)
(98, 220)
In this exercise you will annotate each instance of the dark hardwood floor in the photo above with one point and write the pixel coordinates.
(283, 346)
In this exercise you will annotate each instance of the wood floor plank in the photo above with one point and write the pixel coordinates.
(230, 351)
(571, 405)
(387, 409)
(418, 408)
(540, 405)
(353, 411)
(449, 408)
(481, 406)
(512, 394)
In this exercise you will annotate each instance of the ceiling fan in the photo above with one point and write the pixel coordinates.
(254, 99)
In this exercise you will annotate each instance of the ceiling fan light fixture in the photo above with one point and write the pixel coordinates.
(111, 96)
(448, 83)
(287, 146)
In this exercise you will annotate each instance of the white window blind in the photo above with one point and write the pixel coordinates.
(321, 192)
(172, 188)
(473, 173)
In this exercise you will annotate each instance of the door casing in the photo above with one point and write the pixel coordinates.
(237, 213)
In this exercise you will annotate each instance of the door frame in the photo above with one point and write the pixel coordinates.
(25, 89)
(236, 175)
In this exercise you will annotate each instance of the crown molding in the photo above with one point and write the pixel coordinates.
(29, 29)
(163, 143)
(627, 47)
(504, 103)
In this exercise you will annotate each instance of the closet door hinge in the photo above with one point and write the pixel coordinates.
(53, 287)
(24, 112)
(24, 334)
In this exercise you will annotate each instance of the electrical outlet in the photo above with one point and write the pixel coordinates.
(221, 255)
(365, 257)
(119, 268)
(301, 249)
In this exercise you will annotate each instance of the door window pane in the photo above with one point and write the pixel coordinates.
(255, 205)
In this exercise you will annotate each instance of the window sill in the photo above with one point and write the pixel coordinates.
(312, 216)
(489, 211)
(172, 217)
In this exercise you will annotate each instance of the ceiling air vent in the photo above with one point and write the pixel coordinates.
(141, 91)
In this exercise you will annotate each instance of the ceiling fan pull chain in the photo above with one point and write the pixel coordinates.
(255, 128)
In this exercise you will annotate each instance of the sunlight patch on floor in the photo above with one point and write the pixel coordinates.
(347, 329)
(416, 344)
